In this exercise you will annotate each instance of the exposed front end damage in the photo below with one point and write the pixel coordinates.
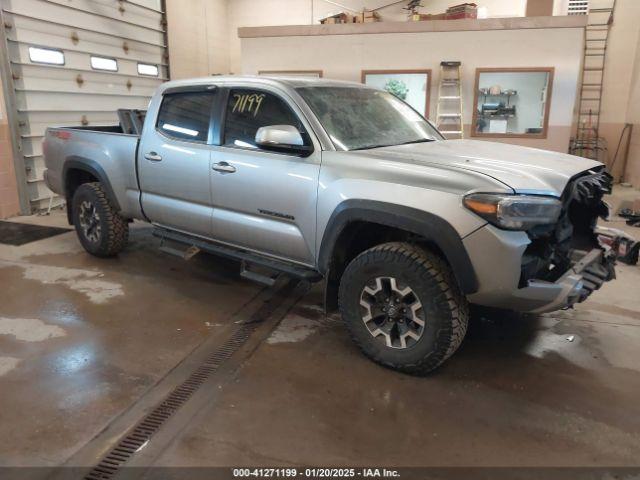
(569, 253)
(548, 267)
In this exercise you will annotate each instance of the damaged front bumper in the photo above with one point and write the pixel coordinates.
(589, 272)
(548, 267)
(497, 258)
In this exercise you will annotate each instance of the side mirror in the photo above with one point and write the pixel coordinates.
(282, 138)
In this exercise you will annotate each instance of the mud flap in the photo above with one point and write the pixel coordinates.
(331, 287)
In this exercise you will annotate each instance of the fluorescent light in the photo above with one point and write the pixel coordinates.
(148, 69)
(184, 131)
(103, 63)
(46, 55)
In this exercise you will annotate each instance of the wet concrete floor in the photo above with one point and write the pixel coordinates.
(82, 339)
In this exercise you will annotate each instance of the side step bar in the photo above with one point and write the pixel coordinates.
(246, 257)
(262, 278)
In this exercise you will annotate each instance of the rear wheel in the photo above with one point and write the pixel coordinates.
(403, 307)
(100, 228)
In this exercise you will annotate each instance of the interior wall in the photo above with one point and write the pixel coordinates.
(560, 7)
(632, 174)
(203, 34)
(198, 37)
(344, 56)
(9, 202)
(249, 13)
(540, 8)
(619, 69)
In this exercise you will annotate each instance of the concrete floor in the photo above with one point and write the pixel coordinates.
(84, 341)
(81, 339)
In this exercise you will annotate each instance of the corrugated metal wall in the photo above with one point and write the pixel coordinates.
(75, 93)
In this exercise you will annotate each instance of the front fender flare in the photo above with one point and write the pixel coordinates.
(433, 228)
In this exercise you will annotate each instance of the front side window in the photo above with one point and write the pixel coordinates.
(186, 116)
(363, 118)
(248, 110)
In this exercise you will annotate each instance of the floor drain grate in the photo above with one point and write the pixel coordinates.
(151, 423)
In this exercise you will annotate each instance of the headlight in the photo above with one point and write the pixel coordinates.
(514, 212)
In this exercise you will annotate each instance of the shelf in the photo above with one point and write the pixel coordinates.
(504, 94)
(495, 116)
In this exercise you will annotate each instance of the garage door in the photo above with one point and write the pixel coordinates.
(76, 62)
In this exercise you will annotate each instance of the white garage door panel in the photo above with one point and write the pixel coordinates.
(19, 54)
(36, 169)
(70, 86)
(135, 52)
(40, 121)
(79, 20)
(31, 77)
(123, 12)
(35, 32)
(40, 194)
(32, 148)
(45, 101)
(70, 118)
(75, 94)
(150, 4)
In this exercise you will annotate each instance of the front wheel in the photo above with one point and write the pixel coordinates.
(403, 307)
(100, 228)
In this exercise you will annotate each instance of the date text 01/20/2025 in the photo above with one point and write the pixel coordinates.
(312, 473)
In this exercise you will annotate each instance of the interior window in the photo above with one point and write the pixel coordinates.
(512, 102)
(186, 116)
(248, 110)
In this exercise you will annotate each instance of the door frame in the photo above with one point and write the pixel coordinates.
(217, 145)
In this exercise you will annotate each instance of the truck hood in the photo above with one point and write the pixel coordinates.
(525, 170)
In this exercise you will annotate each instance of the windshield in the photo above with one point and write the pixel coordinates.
(363, 118)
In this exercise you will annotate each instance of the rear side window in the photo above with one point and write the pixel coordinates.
(186, 116)
(248, 110)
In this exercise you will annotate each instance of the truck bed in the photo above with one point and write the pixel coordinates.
(107, 150)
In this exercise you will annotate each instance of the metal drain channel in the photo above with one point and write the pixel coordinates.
(141, 434)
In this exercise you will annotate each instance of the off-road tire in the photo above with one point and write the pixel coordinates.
(114, 230)
(445, 309)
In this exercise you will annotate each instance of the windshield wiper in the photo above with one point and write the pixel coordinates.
(420, 140)
(371, 147)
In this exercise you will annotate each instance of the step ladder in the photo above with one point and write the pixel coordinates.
(449, 111)
(587, 141)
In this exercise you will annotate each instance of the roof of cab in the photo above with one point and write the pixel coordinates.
(290, 82)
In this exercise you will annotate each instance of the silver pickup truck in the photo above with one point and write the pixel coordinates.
(335, 181)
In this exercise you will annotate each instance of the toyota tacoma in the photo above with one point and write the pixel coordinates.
(341, 183)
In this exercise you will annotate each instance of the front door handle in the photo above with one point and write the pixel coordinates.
(224, 167)
(153, 157)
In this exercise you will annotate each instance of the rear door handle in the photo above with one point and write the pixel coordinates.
(153, 157)
(224, 167)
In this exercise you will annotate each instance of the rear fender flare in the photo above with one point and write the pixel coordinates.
(94, 168)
